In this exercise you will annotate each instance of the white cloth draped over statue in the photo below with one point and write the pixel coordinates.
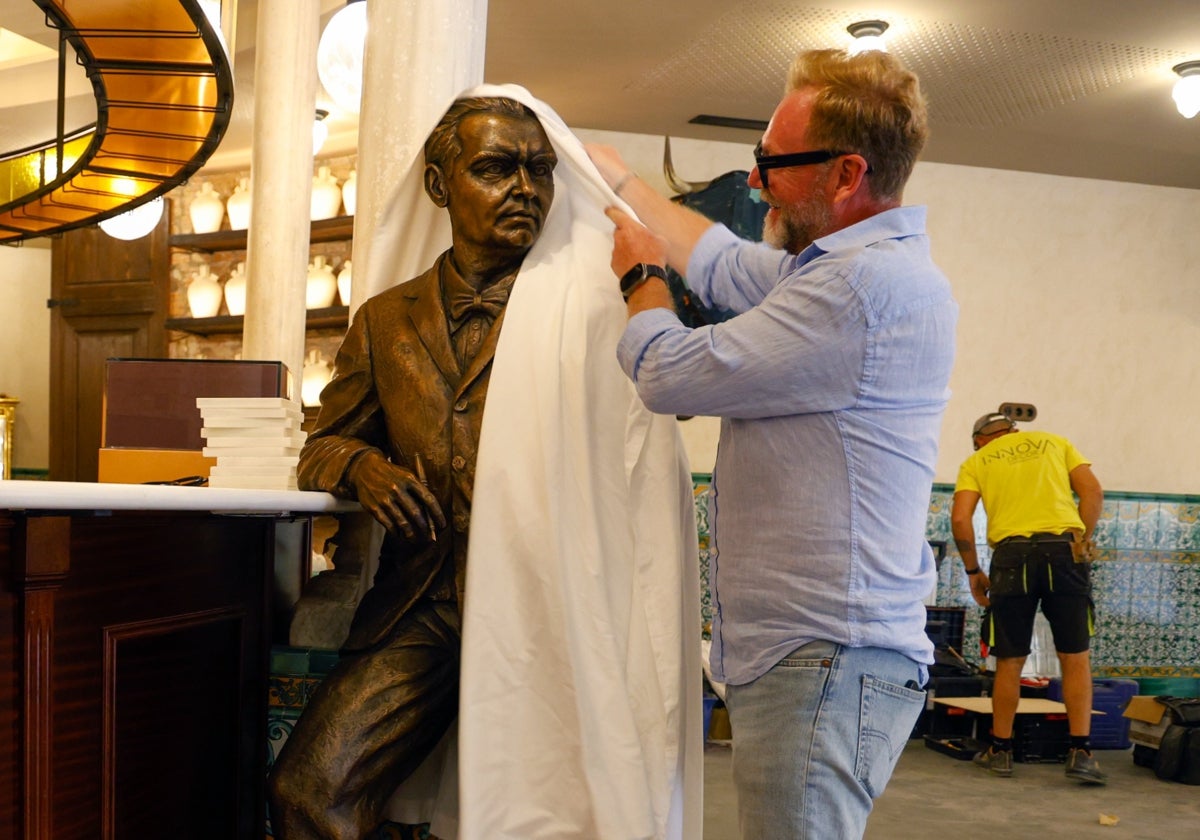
(579, 713)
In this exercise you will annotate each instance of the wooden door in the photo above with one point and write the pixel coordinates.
(109, 299)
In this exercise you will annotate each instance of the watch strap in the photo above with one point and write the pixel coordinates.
(639, 274)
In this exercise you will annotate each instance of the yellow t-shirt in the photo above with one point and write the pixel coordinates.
(1024, 480)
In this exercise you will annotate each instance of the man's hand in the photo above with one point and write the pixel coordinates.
(395, 497)
(979, 588)
(608, 161)
(634, 243)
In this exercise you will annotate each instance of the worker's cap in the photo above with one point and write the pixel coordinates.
(991, 423)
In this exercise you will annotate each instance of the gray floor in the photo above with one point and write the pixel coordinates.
(935, 797)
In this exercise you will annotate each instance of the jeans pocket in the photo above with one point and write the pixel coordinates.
(887, 715)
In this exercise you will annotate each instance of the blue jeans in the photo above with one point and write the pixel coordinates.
(816, 738)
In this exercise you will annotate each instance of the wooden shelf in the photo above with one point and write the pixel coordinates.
(336, 229)
(315, 319)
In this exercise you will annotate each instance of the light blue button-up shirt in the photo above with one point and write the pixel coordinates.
(830, 383)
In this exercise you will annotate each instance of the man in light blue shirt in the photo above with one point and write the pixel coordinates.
(830, 382)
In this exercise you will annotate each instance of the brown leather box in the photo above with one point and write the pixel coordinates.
(151, 403)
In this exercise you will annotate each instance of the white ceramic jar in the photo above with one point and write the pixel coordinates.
(315, 377)
(350, 192)
(321, 289)
(235, 290)
(204, 294)
(238, 206)
(207, 210)
(343, 282)
(326, 195)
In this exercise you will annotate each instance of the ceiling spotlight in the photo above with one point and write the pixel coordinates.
(320, 130)
(868, 35)
(1187, 90)
(340, 55)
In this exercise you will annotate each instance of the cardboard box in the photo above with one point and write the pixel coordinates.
(140, 466)
(1148, 720)
(151, 403)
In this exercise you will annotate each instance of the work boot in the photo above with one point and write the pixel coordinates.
(996, 763)
(1083, 767)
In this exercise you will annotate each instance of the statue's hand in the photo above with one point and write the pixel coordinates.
(396, 497)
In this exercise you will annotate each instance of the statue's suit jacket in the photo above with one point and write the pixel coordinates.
(397, 387)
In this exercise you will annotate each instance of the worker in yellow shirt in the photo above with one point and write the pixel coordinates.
(1041, 541)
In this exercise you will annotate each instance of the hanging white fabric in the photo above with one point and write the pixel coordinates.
(580, 712)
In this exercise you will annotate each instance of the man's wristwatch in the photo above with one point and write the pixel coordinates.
(638, 275)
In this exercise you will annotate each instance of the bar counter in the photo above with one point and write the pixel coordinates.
(135, 630)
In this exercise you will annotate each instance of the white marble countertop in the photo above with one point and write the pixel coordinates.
(79, 495)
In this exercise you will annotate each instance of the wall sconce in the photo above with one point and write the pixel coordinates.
(320, 130)
(340, 54)
(1186, 92)
(868, 35)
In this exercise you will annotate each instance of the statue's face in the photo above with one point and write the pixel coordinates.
(500, 187)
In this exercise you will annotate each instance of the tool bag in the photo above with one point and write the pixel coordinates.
(1178, 757)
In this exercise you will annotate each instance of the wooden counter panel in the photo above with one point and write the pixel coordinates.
(10, 687)
(155, 700)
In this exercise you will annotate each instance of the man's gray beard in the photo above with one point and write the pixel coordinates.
(798, 226)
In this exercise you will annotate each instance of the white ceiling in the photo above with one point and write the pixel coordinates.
(1068, 87)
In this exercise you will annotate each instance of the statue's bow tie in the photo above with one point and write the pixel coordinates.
(490, 301)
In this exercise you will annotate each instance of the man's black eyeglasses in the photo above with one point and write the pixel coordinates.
(766, 163)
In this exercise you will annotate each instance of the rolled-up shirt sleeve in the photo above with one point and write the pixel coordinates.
(800, 347)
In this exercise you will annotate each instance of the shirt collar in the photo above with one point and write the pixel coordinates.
(897, 223)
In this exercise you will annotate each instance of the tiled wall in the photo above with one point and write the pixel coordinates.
(1146, 581)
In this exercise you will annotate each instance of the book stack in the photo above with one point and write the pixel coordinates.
(256, 441)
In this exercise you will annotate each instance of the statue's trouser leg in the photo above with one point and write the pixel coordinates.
(367, 728)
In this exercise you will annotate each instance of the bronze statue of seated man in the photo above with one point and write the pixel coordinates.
(398, 430)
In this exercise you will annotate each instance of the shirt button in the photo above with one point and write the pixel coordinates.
(461, 405)
(475, 326)
(458, 462)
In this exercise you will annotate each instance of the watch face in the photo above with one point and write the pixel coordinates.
(638, 275)
(633, 276)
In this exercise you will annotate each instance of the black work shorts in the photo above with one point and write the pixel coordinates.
(1026, 573)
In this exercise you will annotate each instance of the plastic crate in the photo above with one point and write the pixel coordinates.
(1041, 739)
(1110, 731)
(939, 720)
(945, 626)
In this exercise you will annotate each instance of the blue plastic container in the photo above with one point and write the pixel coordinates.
(710, 703)
(1110, 731)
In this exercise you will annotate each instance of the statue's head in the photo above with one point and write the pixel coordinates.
(490, 164)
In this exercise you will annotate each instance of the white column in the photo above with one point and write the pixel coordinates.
(281, 170)
(419, 55)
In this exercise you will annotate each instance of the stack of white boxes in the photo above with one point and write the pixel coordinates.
(256, 441)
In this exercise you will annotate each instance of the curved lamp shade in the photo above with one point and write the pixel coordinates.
(340, 55)
(164, 96)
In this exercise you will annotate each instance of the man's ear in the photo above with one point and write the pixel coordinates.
(850, 171)
(435, 184)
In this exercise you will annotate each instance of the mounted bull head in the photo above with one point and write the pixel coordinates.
(680, 186)
(727, 199)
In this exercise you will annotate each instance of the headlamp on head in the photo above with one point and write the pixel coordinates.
(1003, 420)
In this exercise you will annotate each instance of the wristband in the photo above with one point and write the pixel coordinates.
(639, 274)
(625, 179)
(974, 571)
